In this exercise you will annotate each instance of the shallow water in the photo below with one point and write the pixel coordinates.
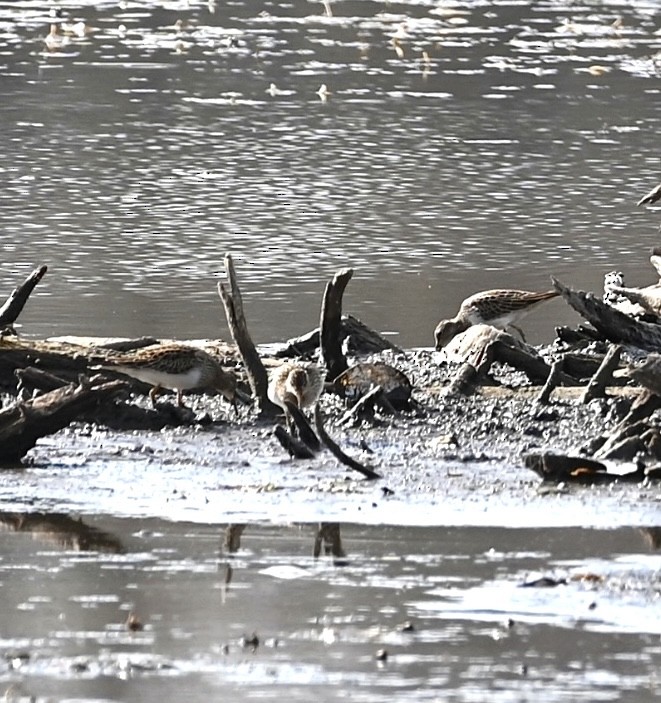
(135, 156)
(203, 591)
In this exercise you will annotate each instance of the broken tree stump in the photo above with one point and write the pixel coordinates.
(24, 422)
(330, 325)
(18, 297)
(257, 374)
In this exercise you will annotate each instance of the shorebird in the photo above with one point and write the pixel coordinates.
(651, 197)
(498, 308)
(179, 367)
(296, 382)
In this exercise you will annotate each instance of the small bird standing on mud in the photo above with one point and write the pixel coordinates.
(498, 308)
(298, 383)
(179, 367)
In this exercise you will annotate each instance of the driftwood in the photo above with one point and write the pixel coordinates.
(560, 468)
(337, 452)
(330, 328)
(19, 296)
(257, 375)
(357, 337)
(603, 376)
(485, 345)
(610, 322)
(24, 422)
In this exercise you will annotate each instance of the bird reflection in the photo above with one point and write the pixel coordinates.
(62, 530)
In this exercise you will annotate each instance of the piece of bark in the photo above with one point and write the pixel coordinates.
(603, 376)
(610, 322)
(337, 452)
(255, 370)
(559, 468)
(24, 422)
(330, 325)
(15, 303)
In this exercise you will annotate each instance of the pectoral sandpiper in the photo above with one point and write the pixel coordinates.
(179, 367)
(299, 383)
(498, 308)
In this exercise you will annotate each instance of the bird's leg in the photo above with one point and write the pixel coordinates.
(520, 331)
(153, 393)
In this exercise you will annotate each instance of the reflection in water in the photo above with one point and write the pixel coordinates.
(503, 141)
(62, 530)
(295, 626)
(329, 539)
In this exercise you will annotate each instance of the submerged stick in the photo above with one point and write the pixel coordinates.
(330, 324)
(337, 452)
(19, 296)
(257, 375)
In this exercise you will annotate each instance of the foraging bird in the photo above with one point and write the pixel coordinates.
(296, 382)
(651, 197)
(498, 308)
(178, 367)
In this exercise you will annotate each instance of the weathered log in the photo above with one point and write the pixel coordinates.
(18, 297)
(330, 325)
(337, 452)
(603, 376)
(357, 337)
(257, 375)
(24, 422)
(610, 322)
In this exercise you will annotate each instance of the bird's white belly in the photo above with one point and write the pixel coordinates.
(174, 381)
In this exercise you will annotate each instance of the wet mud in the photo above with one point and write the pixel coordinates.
(450, 459)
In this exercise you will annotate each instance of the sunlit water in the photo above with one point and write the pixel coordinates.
(252, 614)
(461, 147)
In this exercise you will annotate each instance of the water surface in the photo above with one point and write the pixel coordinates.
(461, 147)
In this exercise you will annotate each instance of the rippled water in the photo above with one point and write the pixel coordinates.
(485, 145)
(264, 619)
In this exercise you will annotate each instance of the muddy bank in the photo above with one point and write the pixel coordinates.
(451, 459)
